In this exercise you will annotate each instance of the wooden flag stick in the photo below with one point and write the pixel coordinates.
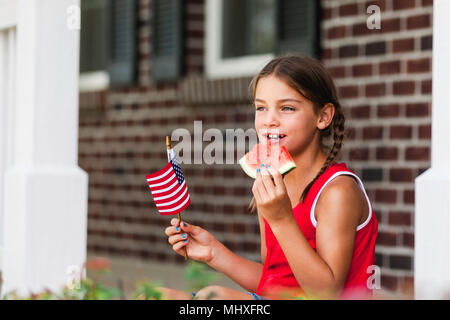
(179, 214)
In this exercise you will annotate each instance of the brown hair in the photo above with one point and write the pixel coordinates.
(309, 77)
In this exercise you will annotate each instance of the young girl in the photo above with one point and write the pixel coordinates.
(317, 226)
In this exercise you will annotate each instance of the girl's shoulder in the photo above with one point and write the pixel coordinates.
(343, 192)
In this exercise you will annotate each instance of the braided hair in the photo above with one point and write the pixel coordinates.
(309, 77)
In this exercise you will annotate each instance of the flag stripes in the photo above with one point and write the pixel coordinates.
(169, 189)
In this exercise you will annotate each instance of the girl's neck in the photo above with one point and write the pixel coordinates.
(308, 165)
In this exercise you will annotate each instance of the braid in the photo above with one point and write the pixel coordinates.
(338, 130)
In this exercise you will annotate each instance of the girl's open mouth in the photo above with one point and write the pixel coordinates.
(275, 137)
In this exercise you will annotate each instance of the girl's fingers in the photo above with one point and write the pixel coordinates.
(177, 238)
(175, 222)
(277, 179)
(172, 230)
(179, 245)
(267, 181)
(190, 229)
(259, 185)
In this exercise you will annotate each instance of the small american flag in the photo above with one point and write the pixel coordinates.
(168, 187)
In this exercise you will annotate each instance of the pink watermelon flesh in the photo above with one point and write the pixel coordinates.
(274, 155)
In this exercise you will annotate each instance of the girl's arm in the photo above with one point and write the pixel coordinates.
(244, 272)
(322, 273)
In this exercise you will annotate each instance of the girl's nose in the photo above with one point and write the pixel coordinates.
(272, 119)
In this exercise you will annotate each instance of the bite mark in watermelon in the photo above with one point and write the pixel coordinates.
(274, 155)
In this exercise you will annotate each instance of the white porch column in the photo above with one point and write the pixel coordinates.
(45, 192)
(432, 204)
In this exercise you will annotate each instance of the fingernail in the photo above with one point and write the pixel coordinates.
(177, 228)
(258, 170)
(185, 241)
(184, 224)
(268, 167)
(184, 235)
(262, 164)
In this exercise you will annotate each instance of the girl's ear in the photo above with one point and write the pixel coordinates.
(326, 115)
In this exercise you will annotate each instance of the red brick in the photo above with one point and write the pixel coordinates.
(338, 72)
(375, 90)
(403, 45)
(348, 91)
(390, 25)
(389, 282)
(404, 87)
(386, 238)
(347, 51)
(389, 67)
(337, 32)
(359, 154)
(418, 22)
(408, 239)
(375, 48)
(403, 4)
(425, 131)
(419, 65)
(417, 109)
(388, 111)
(370, 133)
(417, 153)
(408, 196)
(327, 53)
(399, 218)
(360, 29)
(401, 132)
(379, 3)
(401, 175)
(362, 70)
(387, 153)
(400, 262)
(426, 86)
(360, 112)
(348, 10)
(386, 195)
(426, 43)
(327, 13)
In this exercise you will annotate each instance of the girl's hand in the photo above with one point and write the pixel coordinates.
(271, 196)
(199, 242)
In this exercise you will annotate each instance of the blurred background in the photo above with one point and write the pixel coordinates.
(148, 67)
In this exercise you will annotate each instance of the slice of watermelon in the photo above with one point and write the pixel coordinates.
(274, 155)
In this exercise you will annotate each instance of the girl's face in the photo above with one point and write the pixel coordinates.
(281, 110)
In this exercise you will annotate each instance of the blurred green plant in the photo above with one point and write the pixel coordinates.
(198, 275)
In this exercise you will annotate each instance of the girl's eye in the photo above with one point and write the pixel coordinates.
(288, 108)
(259, 108)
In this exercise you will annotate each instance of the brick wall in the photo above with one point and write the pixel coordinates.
(384, 80)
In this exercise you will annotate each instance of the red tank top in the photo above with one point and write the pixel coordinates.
(276, 271)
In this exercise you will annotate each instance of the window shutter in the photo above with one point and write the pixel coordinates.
(122, 60)
(297, 27)
(167, 27)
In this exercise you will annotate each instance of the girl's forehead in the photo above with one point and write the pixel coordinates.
(274, 88)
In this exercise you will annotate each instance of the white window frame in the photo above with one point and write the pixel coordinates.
(216, 66)
(93, 81)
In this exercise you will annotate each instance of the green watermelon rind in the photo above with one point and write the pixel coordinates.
(284, 169)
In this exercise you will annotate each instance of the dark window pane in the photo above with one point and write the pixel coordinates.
(248, 27)
(93, 35)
